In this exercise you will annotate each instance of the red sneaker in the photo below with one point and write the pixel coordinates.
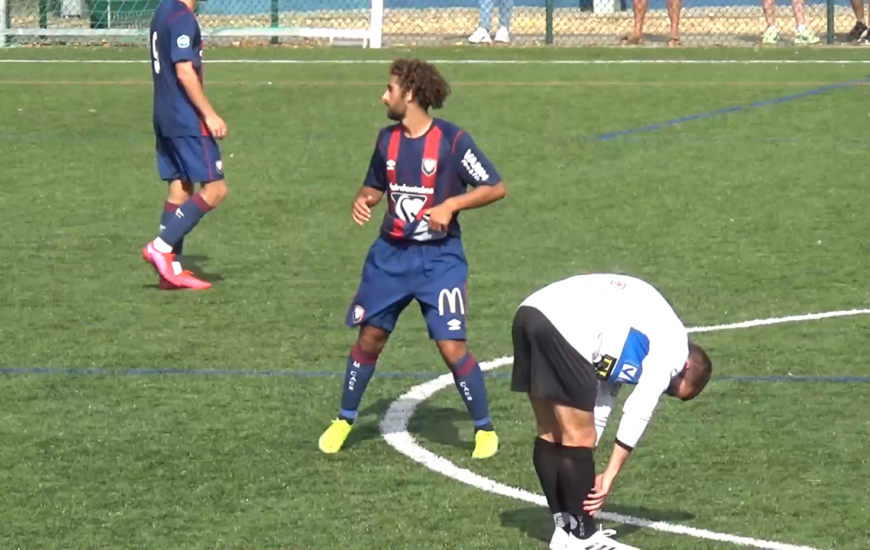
(162, 262)
(187, 280)
(166, 285)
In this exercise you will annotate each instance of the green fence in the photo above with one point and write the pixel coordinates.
(452, 22)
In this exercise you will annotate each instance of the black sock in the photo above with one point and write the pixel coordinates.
(577, 480)
(547, 461)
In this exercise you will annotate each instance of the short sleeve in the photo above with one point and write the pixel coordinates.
(183, 30)
(472, 165)
(376, 177)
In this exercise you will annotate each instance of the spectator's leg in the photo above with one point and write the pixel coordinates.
(481, 35)
(640, 7)
(860, 29)
(675, 7)
(805, 35)
(486, 7)
(505, 9)
(505, 13)
(800, 14)
(858, 8)
(771, 34)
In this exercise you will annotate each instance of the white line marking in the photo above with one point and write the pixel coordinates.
(790, 319)
(481, 61)
(394, 429)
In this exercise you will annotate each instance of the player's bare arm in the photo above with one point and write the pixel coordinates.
(188, 78)
(361, 211)
(604, 481)
(440, 216)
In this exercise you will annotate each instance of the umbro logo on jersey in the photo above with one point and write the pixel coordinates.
(429, 166)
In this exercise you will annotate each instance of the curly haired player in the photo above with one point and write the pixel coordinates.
(424, 166)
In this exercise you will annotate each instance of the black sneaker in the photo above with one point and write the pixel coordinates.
(858, 31)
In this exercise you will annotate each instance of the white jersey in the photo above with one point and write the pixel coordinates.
(628, 331)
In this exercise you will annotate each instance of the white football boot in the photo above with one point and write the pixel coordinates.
(599, 541)
(559, 540)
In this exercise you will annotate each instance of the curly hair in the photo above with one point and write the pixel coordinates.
(423, 81)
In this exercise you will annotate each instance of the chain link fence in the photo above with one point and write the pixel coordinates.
(449, 22)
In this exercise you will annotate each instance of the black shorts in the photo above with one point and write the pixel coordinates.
(546, 366)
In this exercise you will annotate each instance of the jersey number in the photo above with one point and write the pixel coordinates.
(154, 53)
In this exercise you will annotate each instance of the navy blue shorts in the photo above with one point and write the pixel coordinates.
(194, 159)
(395, 273)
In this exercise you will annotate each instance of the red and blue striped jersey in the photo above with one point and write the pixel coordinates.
(420, 173)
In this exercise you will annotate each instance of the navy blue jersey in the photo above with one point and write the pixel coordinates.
(420, 173)
(175, 37)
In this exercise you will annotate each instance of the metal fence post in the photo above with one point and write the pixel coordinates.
(550, 21)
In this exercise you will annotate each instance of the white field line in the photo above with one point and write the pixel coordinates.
(394, 428)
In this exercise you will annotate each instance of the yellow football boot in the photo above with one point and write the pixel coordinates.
(485, 444)
(334, 436)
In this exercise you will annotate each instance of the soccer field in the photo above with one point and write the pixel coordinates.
(137, 418)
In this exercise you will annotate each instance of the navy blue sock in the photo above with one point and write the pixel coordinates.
(167, 216)
(472, 388)
(186, 218)
(360, 368)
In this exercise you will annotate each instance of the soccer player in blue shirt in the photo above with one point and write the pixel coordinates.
(185, 125)
(423, 165)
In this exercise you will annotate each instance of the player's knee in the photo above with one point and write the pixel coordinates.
(179, 191)
(215, 192)
(452, 350)
(371, 342)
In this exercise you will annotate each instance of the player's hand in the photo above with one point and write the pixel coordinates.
(596, 498)
(216, 126)
(439, 217)
(361, 212)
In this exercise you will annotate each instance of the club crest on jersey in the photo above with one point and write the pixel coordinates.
(358, 312)
(391, 165)
(429, 166)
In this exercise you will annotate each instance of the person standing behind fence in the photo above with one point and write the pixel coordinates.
(482, 34)
(640, 9)
(804, 34)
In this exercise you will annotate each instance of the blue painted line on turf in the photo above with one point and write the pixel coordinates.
(728, 110)
(338, 374)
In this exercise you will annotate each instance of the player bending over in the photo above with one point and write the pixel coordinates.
(576, 342)
(423, 166)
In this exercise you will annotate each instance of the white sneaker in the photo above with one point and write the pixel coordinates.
(599, 541)
(559, 540)
(771, 36)
(806, 37)
(481, 35)
(502, 35)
